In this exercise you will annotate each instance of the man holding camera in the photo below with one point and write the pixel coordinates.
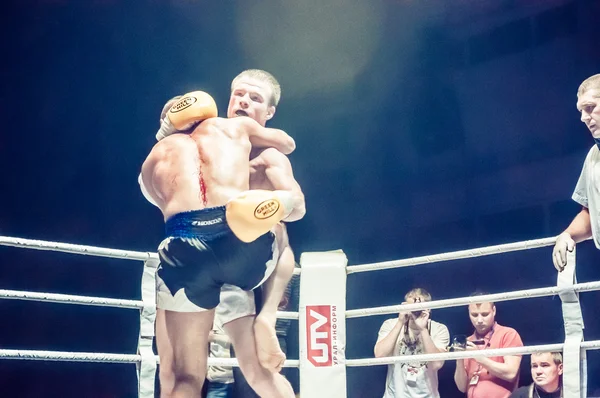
(488, 377)
(409, 334)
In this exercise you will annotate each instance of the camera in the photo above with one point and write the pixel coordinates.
(459, 343)
(417, 313)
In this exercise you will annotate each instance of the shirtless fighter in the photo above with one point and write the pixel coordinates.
(200, 182)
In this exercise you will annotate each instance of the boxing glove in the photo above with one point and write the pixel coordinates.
(186, 112)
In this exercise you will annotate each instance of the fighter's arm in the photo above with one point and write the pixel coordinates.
(176, 152)
(579, 230)
(279, 173)
(265, 137)
(146, 175)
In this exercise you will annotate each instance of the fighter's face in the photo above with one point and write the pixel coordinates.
(545, 372)
(483, 317)
(250, 97)
(589, 106)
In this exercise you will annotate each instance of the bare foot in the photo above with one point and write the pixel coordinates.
(269, 352)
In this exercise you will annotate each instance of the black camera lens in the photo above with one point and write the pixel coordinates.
(417, 314)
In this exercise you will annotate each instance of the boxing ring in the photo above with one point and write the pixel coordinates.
(322, 317)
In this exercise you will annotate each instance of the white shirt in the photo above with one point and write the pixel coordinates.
(587, 191)
(425, 380)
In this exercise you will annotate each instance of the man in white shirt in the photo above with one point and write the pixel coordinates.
(587, 192)
(409, 334)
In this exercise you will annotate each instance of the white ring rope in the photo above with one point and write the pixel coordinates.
(495, 352)
(457, 255)
(457, 302)
(69, 299)
(67, 356)
(76, 249)
(98, 301)
(37, 355)
(148, 308)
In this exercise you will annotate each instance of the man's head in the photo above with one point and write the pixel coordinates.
(546, 369)
(254, 93)
(588, 103)
(482, 315)
(168, 106)
(417, 295)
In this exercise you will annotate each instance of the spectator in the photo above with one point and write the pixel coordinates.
(488, 377)
(408, 334)
(546, 372)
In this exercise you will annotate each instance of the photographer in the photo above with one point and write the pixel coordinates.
(409, 334)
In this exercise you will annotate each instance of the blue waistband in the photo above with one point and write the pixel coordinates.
(206, 223)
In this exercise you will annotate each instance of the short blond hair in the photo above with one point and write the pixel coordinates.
(556, 356)
(168, 106)
(591, 83)
(264, 77)
(418, 292)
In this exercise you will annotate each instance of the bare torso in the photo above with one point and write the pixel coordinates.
(204, 169)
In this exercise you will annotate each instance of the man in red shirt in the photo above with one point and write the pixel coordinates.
(488, 377)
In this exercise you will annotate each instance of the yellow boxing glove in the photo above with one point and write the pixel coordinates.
(253, 213)
(190, 109)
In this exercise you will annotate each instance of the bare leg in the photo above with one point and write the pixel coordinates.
(188, 334)
(265, 383)
(165, 353)
(267, 346)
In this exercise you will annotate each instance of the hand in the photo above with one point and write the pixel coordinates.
(419, 323)
(564, 243)
(403, 315)
(472, 347)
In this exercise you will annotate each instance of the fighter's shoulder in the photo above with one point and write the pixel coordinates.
(242, 121)
(236, 126)
(179, 141)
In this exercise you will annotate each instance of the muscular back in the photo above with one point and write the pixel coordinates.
(204, 169)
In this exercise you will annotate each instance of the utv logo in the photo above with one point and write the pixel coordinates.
(182, 104)
(321, 334)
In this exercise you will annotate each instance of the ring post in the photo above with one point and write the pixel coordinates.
(322, 323)
(146, 369)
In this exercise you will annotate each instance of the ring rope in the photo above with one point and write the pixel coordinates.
(133, 358)
(76, 249)
(148, 306)
(67, 356)
(70, 299)
(496, 352)
(97, 301)
(456, 302)
(456, 255)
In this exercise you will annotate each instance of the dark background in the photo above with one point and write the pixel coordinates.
(421, 127)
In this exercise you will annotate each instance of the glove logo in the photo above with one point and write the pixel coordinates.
(182, 104)
(266, 209)
(319, 335)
